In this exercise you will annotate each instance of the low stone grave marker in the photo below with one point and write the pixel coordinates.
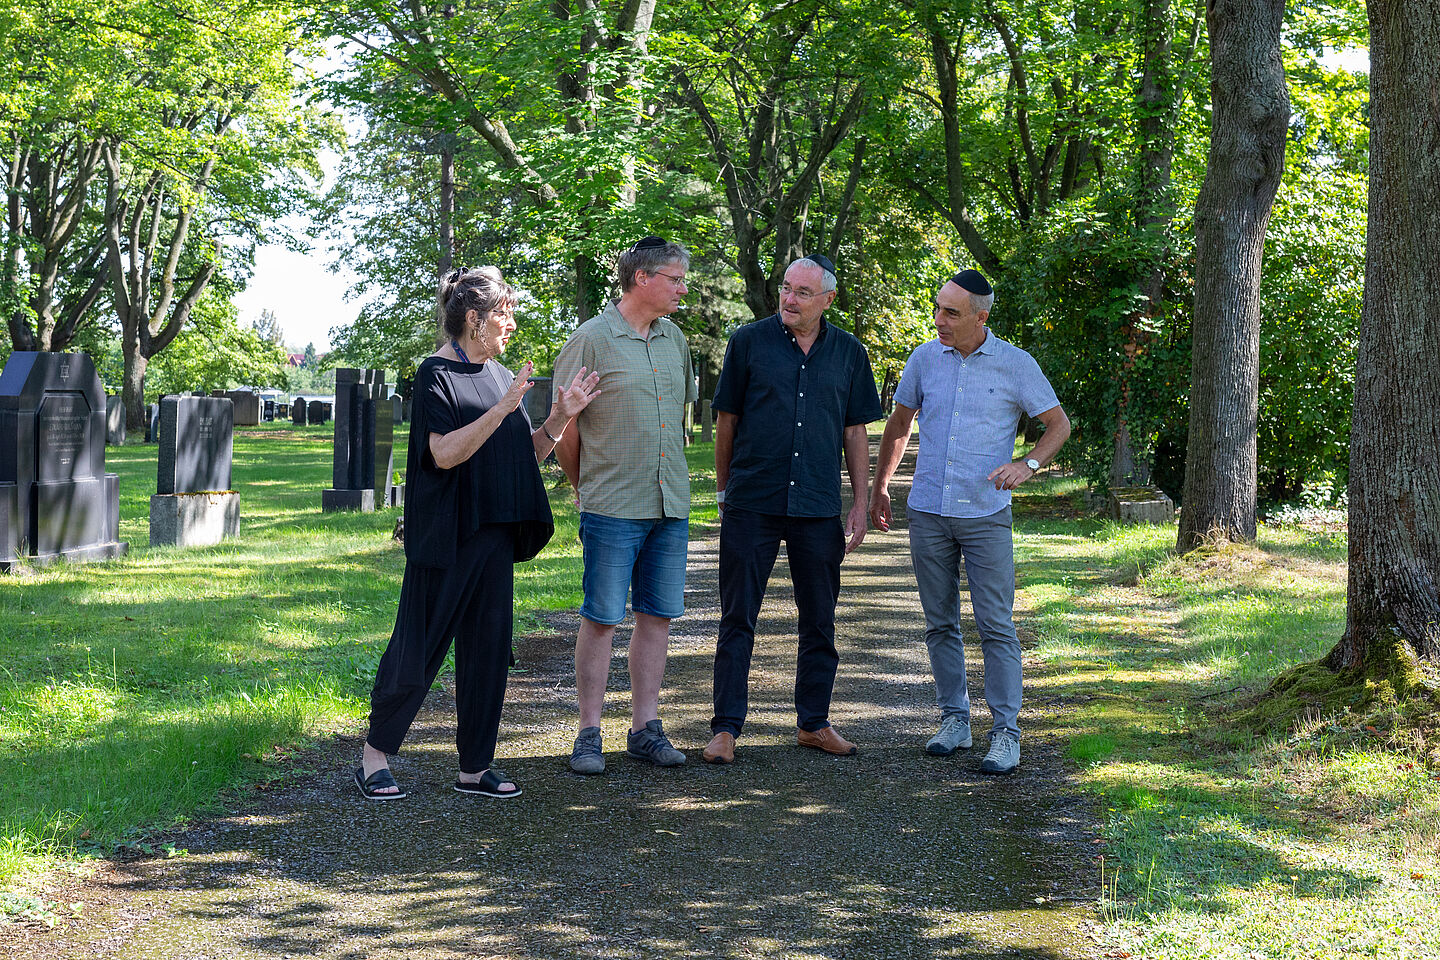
(193, 504)
(1140, 505)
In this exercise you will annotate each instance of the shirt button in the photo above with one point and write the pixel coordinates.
(792, 483)
(797, 453)
(798, 423)
(802, 366)
(802, 394)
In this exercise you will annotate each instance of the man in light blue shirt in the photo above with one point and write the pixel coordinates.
(969, 388)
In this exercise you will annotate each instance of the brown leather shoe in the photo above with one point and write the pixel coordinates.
(826, 739)
(720, 749)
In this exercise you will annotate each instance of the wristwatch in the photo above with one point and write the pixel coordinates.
(1033, 464)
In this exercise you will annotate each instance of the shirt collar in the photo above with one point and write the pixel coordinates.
(620, 327)
(785, 331)
(988, 345)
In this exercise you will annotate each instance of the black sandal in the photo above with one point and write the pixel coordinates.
(378, 780)
(489, 785)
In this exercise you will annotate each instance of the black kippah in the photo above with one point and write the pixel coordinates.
(973, 281)
(649, 243)
(823, 261)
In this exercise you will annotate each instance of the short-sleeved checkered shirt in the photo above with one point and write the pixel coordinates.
(632, 447)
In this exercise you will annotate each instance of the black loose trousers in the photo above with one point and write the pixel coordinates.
(470, 602)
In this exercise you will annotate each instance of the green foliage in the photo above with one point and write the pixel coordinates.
(1079, 291)
(216, 353)
(1311, 289)
(609, 143)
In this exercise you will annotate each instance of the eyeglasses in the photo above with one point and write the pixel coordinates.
(802, 294)
(677, 281)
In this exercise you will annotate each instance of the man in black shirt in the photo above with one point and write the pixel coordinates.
(793, 391)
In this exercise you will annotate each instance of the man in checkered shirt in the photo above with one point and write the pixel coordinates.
(625, 458)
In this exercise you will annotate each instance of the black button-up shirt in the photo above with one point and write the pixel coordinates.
(793, 409)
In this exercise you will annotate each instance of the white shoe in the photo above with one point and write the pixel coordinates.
(954, 734)
(1004, 755)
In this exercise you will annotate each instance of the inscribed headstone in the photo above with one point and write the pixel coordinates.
(56, 500)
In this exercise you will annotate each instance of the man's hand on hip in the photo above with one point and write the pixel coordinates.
(1010, 475)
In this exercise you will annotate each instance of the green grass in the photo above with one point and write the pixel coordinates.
(1317, 843)
(133, 693)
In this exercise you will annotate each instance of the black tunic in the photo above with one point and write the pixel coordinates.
(500, 483)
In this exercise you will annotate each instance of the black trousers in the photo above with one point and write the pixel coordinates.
(749, 544)
(471, 603)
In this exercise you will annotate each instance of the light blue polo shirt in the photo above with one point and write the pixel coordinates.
(970, 411)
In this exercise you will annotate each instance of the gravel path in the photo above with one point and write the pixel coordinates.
(787, 853)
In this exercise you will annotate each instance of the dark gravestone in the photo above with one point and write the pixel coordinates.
(297, 412)
(315, 412)
(364, 441)
(196, 444)
(269, 413)
(114, 420)
(538, 401)
(152, 422)
(247, 407)
(56, 500)
(397, 409)
(194, 505)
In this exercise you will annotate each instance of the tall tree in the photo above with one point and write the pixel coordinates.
(1249, 117)
(772, 120)
(64, 86)
(213, 147)
(512, 74)
(1162, 88)
(1393, 614)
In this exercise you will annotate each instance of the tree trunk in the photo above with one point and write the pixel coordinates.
(132, 392)
(1251, 111)
(1395, 436)
(447, 231)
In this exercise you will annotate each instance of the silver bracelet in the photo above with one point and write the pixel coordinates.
(546, 430)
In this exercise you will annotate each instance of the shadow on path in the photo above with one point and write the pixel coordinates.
(787, 853)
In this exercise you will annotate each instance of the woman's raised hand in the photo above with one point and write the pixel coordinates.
(583, 388)
(518, 388)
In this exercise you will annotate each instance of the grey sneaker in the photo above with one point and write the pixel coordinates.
(1004, 755)
(586, 757)
(652, 744)
(954, 734)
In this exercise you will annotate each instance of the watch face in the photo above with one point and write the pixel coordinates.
(1033, 464)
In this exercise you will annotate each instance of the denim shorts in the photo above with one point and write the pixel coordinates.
(645, 558)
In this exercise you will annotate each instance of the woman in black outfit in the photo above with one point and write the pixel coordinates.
(475, 506)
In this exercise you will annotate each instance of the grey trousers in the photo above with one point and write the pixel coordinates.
(937, 546)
